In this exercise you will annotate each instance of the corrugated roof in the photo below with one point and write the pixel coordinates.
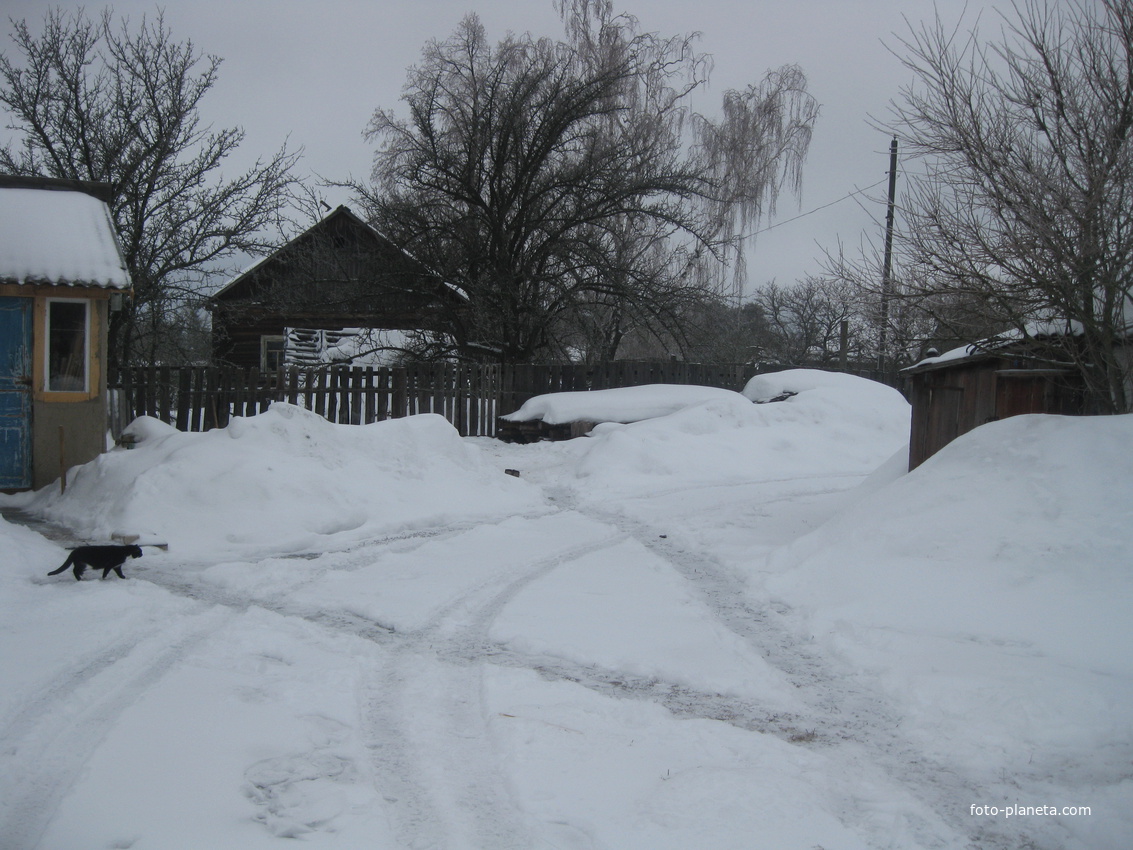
(58, 236)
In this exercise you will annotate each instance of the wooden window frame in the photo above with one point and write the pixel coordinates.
(43, 351)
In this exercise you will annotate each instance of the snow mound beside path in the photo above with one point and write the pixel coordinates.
(286, 480)
(988, 594)
(833, 424)
(622, 404)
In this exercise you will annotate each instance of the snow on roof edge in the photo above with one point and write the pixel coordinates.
(990, 345)
(58, 233)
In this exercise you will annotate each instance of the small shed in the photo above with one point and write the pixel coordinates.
(60, 267)
(957, 391)
(341, 275)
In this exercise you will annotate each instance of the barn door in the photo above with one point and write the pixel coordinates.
(1019, 394)
(15, 392)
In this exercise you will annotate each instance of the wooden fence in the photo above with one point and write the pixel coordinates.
(201, 398)
(470, 396)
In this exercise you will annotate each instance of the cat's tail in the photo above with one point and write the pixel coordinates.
(70, 560)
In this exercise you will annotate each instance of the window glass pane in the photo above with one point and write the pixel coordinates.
(67, 346)
(271, 352)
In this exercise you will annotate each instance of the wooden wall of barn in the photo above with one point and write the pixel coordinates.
(947, 403)
(951, 400)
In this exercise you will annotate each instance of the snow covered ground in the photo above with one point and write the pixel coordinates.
(733, 626)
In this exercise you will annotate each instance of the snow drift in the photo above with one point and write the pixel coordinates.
(988, 593)
(831, 424)
(638, 643)
(284, 481)
(623, 404)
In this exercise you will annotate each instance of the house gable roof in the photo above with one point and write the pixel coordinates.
(58, 233)
(340, 217)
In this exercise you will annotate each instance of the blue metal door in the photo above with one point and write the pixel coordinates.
(15, 393)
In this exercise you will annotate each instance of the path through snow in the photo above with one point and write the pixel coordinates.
(591, 660)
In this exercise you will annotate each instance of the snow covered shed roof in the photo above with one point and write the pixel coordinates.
(59, 233)
(1006, 344)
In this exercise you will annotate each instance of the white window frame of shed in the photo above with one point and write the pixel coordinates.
(51, 340)
(272, 348)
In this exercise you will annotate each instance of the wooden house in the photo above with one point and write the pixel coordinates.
(955, 392)
(60, 269)
(339, 274)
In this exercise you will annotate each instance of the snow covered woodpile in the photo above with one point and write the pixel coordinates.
(312, 348)
(560, 416)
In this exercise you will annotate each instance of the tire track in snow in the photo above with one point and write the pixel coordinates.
(432, 752)
(54, 734)
(182, 577)
(25, 717)
(845, 710)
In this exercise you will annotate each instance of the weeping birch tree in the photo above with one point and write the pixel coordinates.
(569, 188)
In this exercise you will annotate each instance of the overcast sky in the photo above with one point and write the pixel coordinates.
(313, 71)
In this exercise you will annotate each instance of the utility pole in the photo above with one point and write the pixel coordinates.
(887, 267)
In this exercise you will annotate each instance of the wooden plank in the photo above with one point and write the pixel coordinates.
(332, 394)
(139, 374)
(486, 389)
(247, 399)
(411, 382)
(222, 400)
(369, 413)
(400, 405)
(209, 399)
(470, 412)
(421, 388)
(229, 401)
(357, 413)
(234, 386)
(199, 404)
(309, 378)
(477, 391)
(381, 394)
(292, 396)
(151, 391)
(130, 392)
(424, 387)
(321, 397)
(184, 399)
(164, 394)
(492, 379)
(443, 390)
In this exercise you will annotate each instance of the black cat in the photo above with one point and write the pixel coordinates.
(105, 558)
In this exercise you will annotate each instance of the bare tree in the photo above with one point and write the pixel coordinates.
(568, 188)
(89, 100)
(1026, 206)
(804, 322)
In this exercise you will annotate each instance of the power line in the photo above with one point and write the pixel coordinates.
(821, 208)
